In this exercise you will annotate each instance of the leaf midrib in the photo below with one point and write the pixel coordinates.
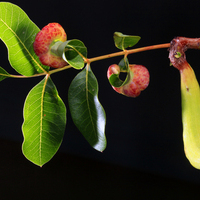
(20, 41)
(41, 117)
(87, 98)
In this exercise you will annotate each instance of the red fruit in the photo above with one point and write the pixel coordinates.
(139, 82)
(50, 34)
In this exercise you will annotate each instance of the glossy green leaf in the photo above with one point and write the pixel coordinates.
(44, 122)
(3, 74)
(73, 51)
(86, 110)
(124, 41)
(115, 80)
(18, 33)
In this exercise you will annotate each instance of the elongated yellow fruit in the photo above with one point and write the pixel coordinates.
(190, 95)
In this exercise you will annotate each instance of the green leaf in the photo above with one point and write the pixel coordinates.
(124, 41)
(73, 51)
(86, 110)
(123, 64)
(115, 80)
(44, 122)
(3, 74)
(18, 33)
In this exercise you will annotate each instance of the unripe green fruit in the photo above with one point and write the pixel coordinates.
(138, 83)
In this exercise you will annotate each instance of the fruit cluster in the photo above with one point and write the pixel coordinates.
(54, 32)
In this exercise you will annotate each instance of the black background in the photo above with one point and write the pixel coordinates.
(144, 133)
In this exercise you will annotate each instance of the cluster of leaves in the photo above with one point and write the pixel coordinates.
(44, 111)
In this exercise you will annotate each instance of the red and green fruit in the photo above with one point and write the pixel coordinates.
(138, 83)
(44, 40)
